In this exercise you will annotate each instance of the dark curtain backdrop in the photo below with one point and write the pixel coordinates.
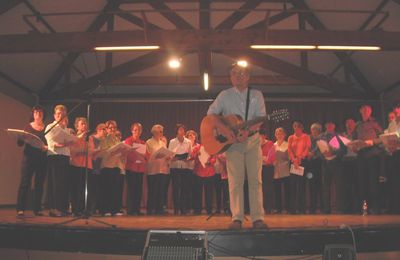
(191, 113)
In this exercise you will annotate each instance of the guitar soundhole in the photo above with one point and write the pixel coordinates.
(221, 138)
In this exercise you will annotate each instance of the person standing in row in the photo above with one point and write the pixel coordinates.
(268, 153)
(94, 181)
(314, 168)
(58, 156)
(369, 159)
(33, 164)
(81, 160)
(180, 170)
(135, 168)
(157, 171)
(110, 171)
(281, 171)
(299, 145)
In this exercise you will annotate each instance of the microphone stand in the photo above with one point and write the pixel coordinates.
(86, 212)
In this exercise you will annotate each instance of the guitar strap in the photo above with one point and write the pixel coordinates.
(247, 103)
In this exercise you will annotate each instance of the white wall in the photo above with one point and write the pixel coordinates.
(13, 114)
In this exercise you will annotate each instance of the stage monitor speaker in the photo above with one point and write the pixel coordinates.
(339, 252)
(175, 245)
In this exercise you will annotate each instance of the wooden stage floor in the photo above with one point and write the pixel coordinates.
(201, 222)
(287, 234)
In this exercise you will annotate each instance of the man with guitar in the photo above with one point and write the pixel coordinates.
(243, 151)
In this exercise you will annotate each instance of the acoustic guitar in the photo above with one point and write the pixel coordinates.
(215, 142)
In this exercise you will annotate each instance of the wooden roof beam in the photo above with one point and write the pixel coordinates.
(171, 16)
(6, 5)
(137, 21)
(95, 26)
(273, 19)
(192, 40)
(264, 80)
(123, 70)
(238, 15)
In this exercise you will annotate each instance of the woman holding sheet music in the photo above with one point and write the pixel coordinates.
(180, 170)
(111, 165)
(157, 171)
(81, 159)
(135, 168)
(58, 156)
(299, 145)
(33, 163)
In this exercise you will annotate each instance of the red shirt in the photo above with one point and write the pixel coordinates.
(199, 170)
(135, 162)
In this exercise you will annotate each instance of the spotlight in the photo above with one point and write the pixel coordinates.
(174, 63)
(242, 63)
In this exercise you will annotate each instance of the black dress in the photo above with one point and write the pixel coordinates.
(33, 164)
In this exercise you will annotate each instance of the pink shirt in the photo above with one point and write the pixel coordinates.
(268, 152)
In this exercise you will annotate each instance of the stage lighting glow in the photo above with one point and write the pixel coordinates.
(242, 63)
(205, 81)
(174, 63)
(127, 48)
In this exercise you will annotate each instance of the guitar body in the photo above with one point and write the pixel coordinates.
(211, 138)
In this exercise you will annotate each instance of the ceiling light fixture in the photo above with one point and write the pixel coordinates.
(316, 47)
(283, 47)
(349, 48)
(206, 81)
(127, 48)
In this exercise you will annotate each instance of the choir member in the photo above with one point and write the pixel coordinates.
(349, 167)
(268, 155)
(135, 168)
(180, 170)
(204, 171)
(33, 164)
(110, 173)
(331, 168)
(221, 184)
(369, 160)
(81, 161)
(94, 182)
(394, 163)
(299, 145)
(58, 156)
(193, 137)
(157, 171)
(313, 171)
(281, 171)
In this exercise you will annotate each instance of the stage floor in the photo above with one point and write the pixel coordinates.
(203, 222)
(126, 235)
